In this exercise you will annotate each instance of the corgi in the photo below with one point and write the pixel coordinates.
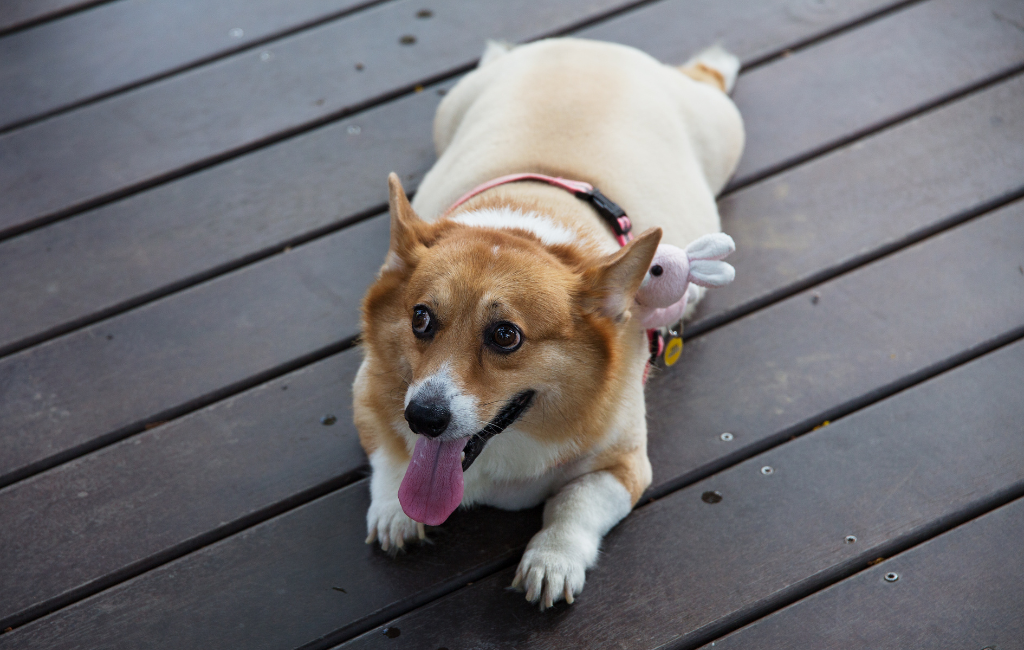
(501, 364)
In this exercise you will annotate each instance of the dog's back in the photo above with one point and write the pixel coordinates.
(657, 140)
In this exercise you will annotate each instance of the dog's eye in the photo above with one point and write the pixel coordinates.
(422, 321)
(506, 337)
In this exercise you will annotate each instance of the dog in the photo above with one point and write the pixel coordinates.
(501, 363)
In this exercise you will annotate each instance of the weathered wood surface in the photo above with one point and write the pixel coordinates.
(958, 590)
(673, 30)
(680, 571)
(214, 343)
(990, 122)
(120, 44)
(863, 199)
(154, 132)
(18, 14)
(177, 233)
(889, 474)
(241, 524)
(197, 478)
(912, 56)
(789, 381)
(110, 379)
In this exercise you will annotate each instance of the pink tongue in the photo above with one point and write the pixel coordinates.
(432, 487)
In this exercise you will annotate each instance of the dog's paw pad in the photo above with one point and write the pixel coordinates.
(387, 524)
(549, 575)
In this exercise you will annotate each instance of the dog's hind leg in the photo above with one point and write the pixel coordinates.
(715, 66)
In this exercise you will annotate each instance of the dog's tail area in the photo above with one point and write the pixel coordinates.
(494, 50)
(714, 65)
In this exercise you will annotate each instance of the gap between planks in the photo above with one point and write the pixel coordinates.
(834, 414)
(197, 63)
(702, 327)
(926, 235)
(72, 8)
(350, 220)
(383, 98)
(284, 134)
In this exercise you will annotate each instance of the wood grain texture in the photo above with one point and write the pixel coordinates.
(904, 63)
(842, 348)
(165, 128)
(878, 192)
(348, 582)
(17, 14)
(960, 589)
(871, 166)
(118, 375)
(679, 571)
(92, 53)
(673, 30)
(66, 406)
(105, 259)
(822, 352)
(188, 479)
(183, 230)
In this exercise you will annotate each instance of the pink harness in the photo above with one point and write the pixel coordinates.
(607, 209)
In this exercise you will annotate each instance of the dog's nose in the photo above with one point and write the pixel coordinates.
(429, 419)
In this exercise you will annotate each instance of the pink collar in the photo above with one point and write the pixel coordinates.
(614, 215)
(607, 209)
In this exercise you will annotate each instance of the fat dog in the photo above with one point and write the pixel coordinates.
(502, 365)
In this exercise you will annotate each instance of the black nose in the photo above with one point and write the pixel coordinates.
(428, 418)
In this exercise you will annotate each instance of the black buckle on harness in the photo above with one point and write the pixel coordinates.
(609, 211)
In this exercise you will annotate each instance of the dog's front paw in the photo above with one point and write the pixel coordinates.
(554, 567)
(386, 522)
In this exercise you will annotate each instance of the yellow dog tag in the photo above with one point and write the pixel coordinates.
(673, 351)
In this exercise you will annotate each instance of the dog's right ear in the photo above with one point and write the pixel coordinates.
(405, 228)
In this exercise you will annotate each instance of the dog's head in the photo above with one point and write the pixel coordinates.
(468, 327)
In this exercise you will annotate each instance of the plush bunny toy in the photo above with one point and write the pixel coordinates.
(666, 288)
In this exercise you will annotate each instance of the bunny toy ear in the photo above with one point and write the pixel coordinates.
(705, 254)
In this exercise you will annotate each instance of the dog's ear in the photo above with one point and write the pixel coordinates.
(405, 228)
(611, 284)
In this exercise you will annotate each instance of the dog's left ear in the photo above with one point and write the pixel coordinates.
(405, 227)
(612, 284)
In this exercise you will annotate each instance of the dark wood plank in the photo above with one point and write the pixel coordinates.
(92, 53)
(958, 590)
(751, 30)
(190, 480)
(165, 528)
(679, 571)
(889, 151)
(882, 191)
(181, 231)
(190, 229)
(155, 132)
(215, 355)
(768, 533)
(112, 378)
(822, 352)
(980, 134)
(832, 351)
(162, 137)
(911, 57)
(18, 14)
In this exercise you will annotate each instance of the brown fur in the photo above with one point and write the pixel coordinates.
(705, 74)
(557, 296)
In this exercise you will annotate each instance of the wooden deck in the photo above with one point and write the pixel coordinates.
(193, 200)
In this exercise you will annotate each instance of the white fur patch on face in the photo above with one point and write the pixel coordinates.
(547, 231)
(442, 387)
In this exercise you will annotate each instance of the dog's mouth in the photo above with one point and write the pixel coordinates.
(503, 420)
(432, 487)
